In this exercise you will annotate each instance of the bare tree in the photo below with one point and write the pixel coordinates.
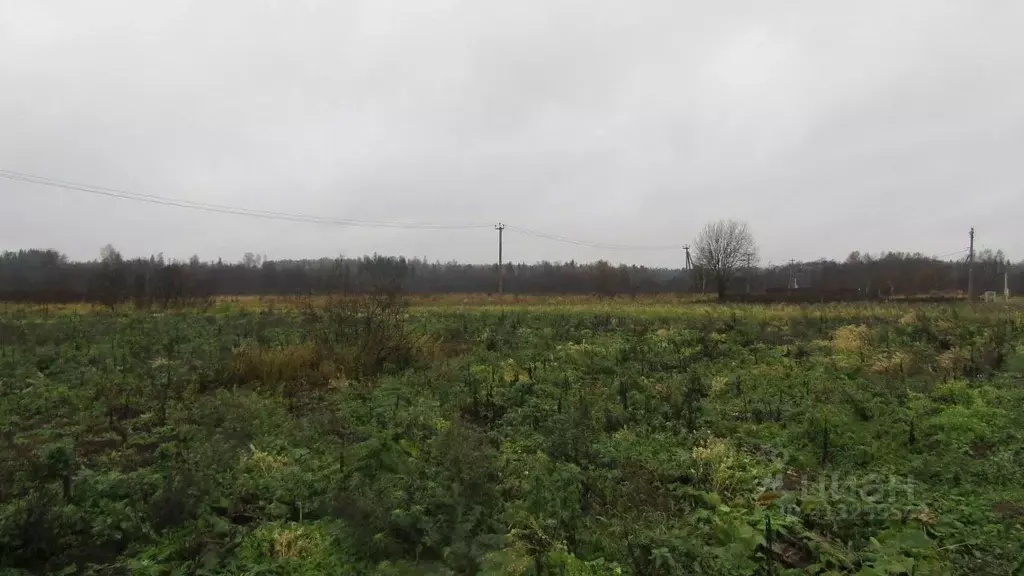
(722, 249)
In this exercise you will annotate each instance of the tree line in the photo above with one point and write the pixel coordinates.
(49, 276)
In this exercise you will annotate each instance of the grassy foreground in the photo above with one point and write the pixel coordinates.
(465, 435)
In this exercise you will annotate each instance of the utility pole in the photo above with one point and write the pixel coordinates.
(970, 269)
(689, 269)
(792, 279)
(750, 258)
(501, 267)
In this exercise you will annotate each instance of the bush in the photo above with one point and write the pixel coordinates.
(365, 335)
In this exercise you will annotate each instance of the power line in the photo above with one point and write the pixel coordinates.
(302, 218)
(311, 219)
(556, 238)
(953, 253)
(224, 209)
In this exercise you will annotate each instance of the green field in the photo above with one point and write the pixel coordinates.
(540, 437)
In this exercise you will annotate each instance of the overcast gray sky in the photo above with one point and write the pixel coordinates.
(829, 126)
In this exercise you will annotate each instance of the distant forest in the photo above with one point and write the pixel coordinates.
(49, 276)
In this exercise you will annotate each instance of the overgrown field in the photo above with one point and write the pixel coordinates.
(614, 438)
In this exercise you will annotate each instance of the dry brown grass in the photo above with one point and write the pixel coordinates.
(276, 365)
(295, 542)
(851, 338)
(953, 361)
(469, 300)
(893, 363)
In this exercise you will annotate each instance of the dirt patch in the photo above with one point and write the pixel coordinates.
(981, 449)
(793, 480)
(792, 553)
(1009, 509)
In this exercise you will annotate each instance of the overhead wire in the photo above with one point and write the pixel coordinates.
(601, 245)
(954, 253)
(225, 209)
(302, 218)
(313, 219)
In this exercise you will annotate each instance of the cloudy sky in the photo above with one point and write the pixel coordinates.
(828, 126)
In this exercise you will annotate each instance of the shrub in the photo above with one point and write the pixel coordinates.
(365, 335)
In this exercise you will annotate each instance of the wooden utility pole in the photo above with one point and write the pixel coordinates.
(689, 269)
(501, 266)
(750, 259)
(970, 269)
